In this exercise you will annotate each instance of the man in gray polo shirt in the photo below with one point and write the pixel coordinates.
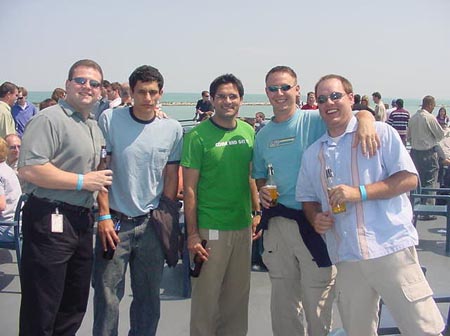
(58, 162)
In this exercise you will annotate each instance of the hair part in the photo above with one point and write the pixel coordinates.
(7, 87)
(282, 68)
(117, 87)
(428, 101)
(47, 103)
(348, 88)
(226, 79)
(23, 91)
(376, 95)
(146, 73)
(85, 63)
(58, 93)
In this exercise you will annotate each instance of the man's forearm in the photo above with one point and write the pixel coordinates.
(254, 195)
(48, 176)
(190, 212)
(397, 184)
(171, 181)
(103, 203)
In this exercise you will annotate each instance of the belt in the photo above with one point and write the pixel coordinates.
(122, 217)
(61, 205)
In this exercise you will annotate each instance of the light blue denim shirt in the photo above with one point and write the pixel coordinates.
(384, 226)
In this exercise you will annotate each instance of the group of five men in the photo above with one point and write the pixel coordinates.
(219, 157)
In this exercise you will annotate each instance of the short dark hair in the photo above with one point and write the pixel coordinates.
(106, 83)
(58, 93)
(282, 68)
(204, 92)
(357, 98)
(261, 114)
(399, 103)
(376, 94)
(348, 88)
(7, 87)
(85, 63)
(117, 87)
(146, 73)
(428, 100)
(226, 79)
(46, 103)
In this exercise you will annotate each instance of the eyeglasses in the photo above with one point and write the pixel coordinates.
(19, 98)
(206, 96)
(82, 81)
(333, 96)
(275, 88)
(224, 97)
(14, 147)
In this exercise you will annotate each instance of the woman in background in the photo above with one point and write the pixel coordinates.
(442, 117)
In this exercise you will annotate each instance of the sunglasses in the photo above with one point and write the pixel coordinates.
(275, 88)
(82, 81)
(333, 96)
(19, 98)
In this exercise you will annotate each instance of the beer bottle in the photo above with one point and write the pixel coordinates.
(109, 253)
(102, 164)
(339, 208)
(196, 265)
(271, 185)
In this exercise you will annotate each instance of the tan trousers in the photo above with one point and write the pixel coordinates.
(300, 289)
(220, 295)
(400, 282)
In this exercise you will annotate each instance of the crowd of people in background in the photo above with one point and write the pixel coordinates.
(95, 128)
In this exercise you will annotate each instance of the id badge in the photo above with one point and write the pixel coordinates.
(213, 234)
(57, 222)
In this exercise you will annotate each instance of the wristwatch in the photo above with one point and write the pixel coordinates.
(256, 213)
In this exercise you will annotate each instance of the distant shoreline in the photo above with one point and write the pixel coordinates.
(193, 104)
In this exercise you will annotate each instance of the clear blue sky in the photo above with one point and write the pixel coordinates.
(398, 47)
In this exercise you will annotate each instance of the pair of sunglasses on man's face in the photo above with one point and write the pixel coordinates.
(334, 96)
(321, 99)
(275, 88)
(82, 81)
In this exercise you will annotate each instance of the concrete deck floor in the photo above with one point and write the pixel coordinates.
(175, 310)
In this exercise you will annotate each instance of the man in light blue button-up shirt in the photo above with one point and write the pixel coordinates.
(372, 241)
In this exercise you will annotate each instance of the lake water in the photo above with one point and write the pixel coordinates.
(187, 112)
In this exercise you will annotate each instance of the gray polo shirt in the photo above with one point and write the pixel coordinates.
(59, 135)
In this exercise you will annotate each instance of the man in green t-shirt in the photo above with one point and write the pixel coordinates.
(218, 196)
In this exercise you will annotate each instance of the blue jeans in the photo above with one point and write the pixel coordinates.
(140, 247)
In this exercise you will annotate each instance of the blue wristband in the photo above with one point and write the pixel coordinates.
(104, 217)
(80, 182)
(363, 191)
